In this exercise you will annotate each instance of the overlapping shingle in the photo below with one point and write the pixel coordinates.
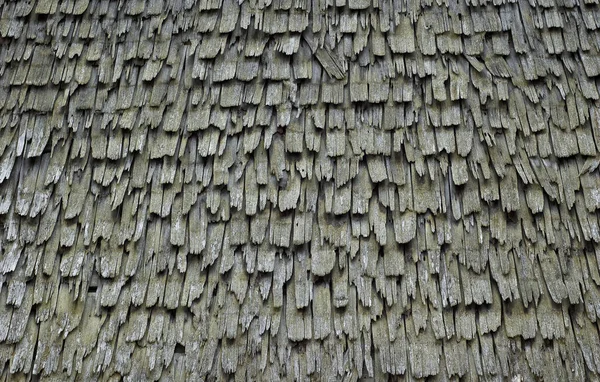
(299, 190)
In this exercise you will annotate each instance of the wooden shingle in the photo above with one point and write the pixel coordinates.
(299, 190)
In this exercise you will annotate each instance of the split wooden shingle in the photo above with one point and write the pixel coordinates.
(278, 190)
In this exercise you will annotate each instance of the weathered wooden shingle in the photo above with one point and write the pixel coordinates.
(213, 190)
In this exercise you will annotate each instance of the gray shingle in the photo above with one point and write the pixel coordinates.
(395, 189)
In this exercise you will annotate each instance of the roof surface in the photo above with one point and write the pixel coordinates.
(299, 190)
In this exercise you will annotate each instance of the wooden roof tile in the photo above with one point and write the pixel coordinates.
(388, 159)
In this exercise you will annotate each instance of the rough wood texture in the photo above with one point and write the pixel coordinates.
(299, 190)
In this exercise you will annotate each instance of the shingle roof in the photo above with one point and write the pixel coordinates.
(299, 190)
